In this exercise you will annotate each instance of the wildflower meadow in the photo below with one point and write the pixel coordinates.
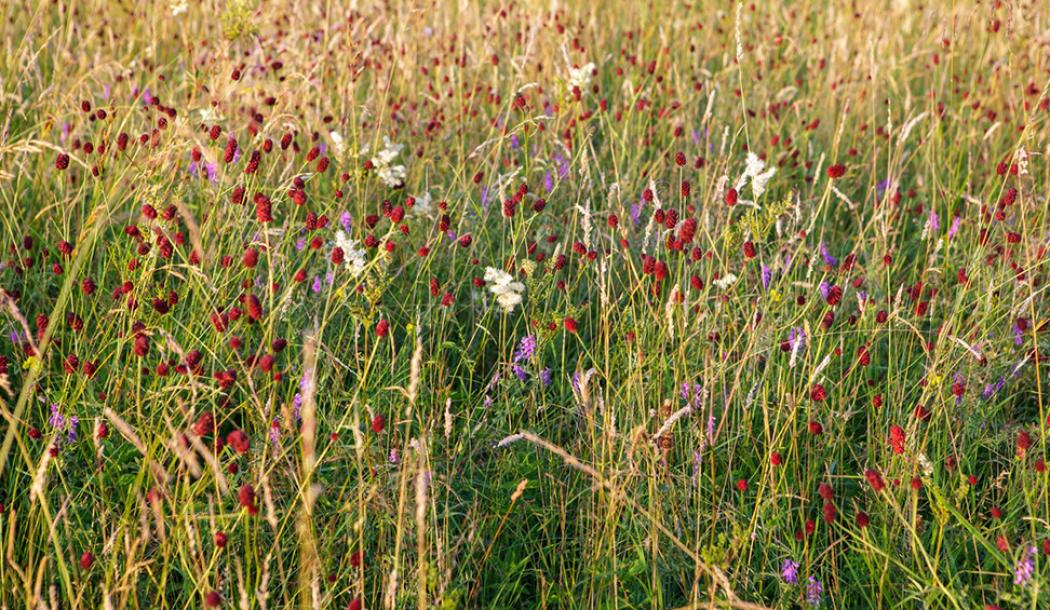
(355, 304)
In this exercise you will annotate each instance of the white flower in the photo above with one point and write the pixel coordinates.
(355, 258)
(725, 281)
(178, 8)
(502, 285)
(580, 77)
(753, 171)
(392, 175)
(423, 206)
(337, 143)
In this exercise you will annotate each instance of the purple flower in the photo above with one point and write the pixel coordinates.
(514, 143)
(956, 223)
(526, 348)
(519, 372)
(545, 377)
(56, 420)
(346, 221)
(789, 571)
(814, 591)
(492, 382)
(881, 186)
(934, 222)
(636, 212)
(1025, 567)
(767, 276)
(830, 260)
(548, 182)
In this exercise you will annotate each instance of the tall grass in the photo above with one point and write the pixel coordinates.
(556, 305)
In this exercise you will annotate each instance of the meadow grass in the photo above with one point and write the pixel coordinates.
(462, 304)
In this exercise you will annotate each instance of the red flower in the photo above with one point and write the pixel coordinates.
(382, 328)
(141, 345)
(212, 599)
(897, 439)
(818, 393)
(862, 519)
(254, 307)
(570, 325)
(239, 441)
(246, 498)
(829, 512)
(875, 479)
(378, 423)
(836, 171)
(87, 560)
(1024, 442)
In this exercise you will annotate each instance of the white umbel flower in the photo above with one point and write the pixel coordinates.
(725, 281)
(580, 77)
(754, 172)
(424, 206)
(178, 8)
(356, 259)
(392, 175)
(338, 145)
(506, 290)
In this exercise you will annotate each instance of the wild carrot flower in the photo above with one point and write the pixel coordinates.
(753, 171)
(502, 285)
(355, 259)
(391, 175)
(580, 78)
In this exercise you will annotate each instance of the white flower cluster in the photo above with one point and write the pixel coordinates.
(753, 171)
(580, 77)
(424, 206)
(502, 285)
(338, 144)
(392, 175)
(354, 257)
